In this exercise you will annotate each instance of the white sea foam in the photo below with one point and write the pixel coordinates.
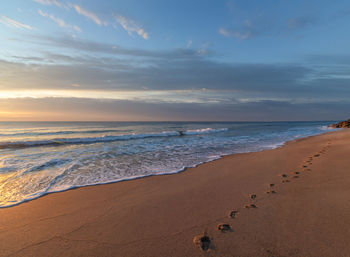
(28, 172)
(204, 131)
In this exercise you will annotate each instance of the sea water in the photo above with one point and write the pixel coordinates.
(37, 158)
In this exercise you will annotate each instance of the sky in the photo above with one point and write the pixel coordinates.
(164, 60)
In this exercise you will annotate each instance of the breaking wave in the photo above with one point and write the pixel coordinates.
(106, 138)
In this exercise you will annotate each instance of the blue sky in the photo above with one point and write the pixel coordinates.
(174, 60)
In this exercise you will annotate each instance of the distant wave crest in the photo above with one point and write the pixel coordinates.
(109, 138)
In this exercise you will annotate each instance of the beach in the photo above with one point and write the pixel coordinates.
(305, 212)
(174, 128)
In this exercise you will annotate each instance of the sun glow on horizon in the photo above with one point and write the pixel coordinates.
(10, 94)
(180, 96)
(15, 115)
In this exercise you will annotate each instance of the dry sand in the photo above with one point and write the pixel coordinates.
(161, 215)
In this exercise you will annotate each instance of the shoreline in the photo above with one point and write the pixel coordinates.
(162, 174)
(160, 215)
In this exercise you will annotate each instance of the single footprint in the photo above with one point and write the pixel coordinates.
(316, 155)
(285, 181)
(295, 172)
(224, 227)
(295, 176)
(203, 241)
(232, 214)
(252, 196)
(250, 206)
(270, 191)
(283, 175)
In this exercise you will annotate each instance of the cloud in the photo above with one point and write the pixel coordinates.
(114, 50)
(237, 34)
(300, 22)
(90, 15)
(52, 2)
(266, 27)
(203, 50)
(131, 27)
(78, 8)
(189, 43)
(257, 20)
(98, 66)
(245, 32)
(59, 21)
(103, 110)
(254, 81)
(176, 83)
(127, 24)
(13, 23)
(225, 32)
(179, 80)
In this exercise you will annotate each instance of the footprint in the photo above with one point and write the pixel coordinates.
(224, 227)
(295, 172)
(232, 214)
(283, 175)
(295, 176)
(203, 241)
(250, 206)
(271, 191)
(316, 155)
(285, 181)
(252, 196)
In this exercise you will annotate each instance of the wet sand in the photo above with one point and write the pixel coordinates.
(290, 201)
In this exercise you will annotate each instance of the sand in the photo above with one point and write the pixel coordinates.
(162, 215)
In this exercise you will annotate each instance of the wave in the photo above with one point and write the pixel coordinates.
(109, 138)
(53, 169)
(47, 164)
(203, 131)
(64, 132)
(329, 128)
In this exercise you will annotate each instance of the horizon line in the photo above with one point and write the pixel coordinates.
(168, 121)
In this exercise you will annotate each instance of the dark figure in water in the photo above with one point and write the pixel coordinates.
(181, 133)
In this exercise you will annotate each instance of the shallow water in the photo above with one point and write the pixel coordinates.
(37, 158)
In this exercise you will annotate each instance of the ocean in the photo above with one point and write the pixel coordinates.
(37, 158)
